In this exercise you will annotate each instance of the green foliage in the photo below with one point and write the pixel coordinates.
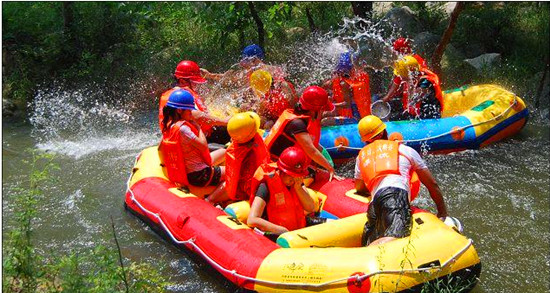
(122, 41)
(25, 270)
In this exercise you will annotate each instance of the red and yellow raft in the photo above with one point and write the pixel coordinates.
(322, 258)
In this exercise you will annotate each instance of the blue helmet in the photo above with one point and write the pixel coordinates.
(253, 51)
(345, 63)
(181, 99)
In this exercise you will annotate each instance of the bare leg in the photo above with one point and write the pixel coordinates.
(218, 157)
(218, 195)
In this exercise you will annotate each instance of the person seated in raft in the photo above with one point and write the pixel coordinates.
(350, 92)
(187, 75)
(273, 96)
(383, 169)
(279, 199)
(301, 127)
(184, 150)
(244, 155)
(419, 91)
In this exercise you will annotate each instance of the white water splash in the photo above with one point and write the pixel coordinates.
(88, 120)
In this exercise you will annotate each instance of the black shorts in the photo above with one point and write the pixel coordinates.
(201, 178)
(389, 215)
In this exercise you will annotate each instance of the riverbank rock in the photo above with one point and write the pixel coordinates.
(403, 20)
(445, 7)
(9, 108)
(425, 43)
(381, 8)
(485, 61)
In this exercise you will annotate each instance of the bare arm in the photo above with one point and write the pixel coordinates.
(428, 180)
(203, 117)
(391, 92)
(361, 188)
(304, 140)
(255, 218)
(303, 195)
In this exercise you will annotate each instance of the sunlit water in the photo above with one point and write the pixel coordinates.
(500, 193)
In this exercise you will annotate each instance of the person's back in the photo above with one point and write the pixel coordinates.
(243, 156)
(383, 170)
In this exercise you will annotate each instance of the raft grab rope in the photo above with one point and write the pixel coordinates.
(497, 117)
(234, 273)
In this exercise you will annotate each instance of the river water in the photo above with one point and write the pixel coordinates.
(500, 193)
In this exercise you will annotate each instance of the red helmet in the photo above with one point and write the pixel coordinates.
(189, 69)
(293, 161)
(315, 98)
(402, 46)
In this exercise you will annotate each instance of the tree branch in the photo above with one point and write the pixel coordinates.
(259, 23)
(438, 53)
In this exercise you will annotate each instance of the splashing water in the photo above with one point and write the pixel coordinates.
(87, 120)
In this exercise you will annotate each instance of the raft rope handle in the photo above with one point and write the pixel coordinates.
(234, 273)
(341, 146)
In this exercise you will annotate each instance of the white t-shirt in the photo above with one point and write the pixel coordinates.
(193, 158)
(408, 159)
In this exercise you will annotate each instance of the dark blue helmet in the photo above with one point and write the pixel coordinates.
(181, 99)
(253, 51)
(345, 63)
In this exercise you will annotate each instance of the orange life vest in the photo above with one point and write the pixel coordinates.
(359, 84)
(313, 128)
(284, 207)
(172, 156)
(254, 153)
(381, 158)
(199, 103)
(434, 79)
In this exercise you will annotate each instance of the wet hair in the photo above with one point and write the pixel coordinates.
(171, 116)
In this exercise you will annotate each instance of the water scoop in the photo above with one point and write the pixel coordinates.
(381, 110)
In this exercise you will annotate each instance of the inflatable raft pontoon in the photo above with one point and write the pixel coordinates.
(323, 258)
(473, 117)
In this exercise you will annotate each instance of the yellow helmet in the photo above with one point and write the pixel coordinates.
(260, 81)
(369, 127)
(243, 126)
(402, 66)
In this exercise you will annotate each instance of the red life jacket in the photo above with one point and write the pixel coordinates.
(253, 153)
(359, 84)
(434, 79)
(381, 158)
(284, 207)
(172, 156)
(199, 103)
(313, 128)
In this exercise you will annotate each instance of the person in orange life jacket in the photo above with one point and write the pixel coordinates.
(279, 199)
(184, 150)
(420, 92)
(402, 48)
(350, 92)
(244, 155)
(383, 169)
(187, 75)
(301, 127)
(273, 96)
